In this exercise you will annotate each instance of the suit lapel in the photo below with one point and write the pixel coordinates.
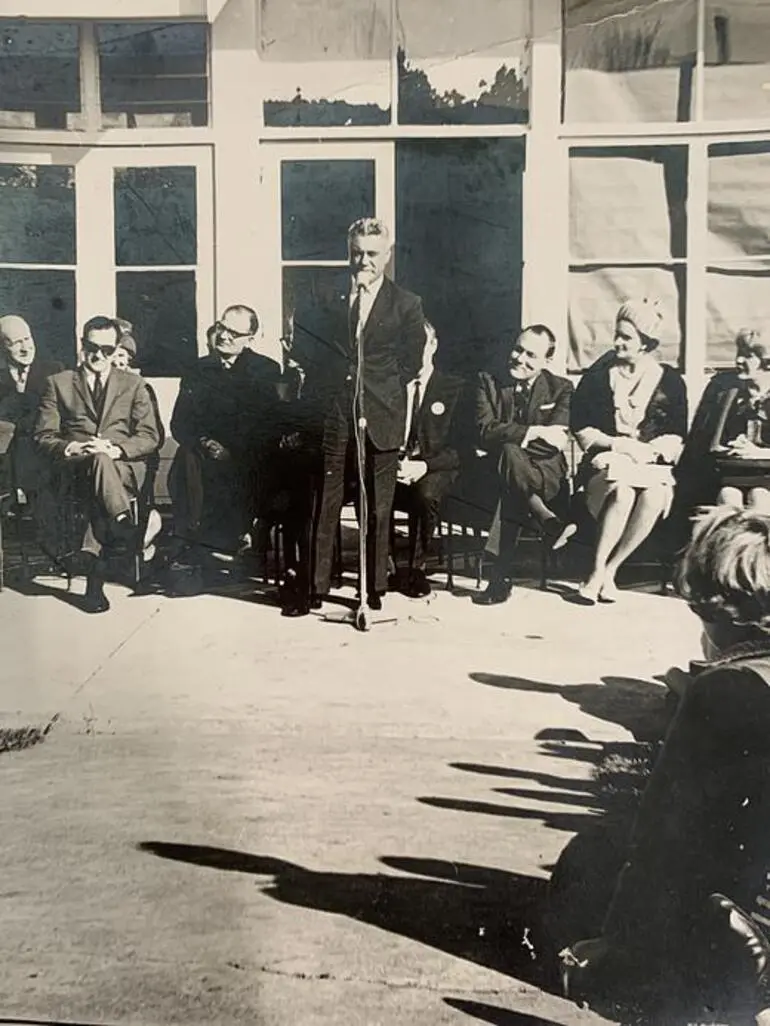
(111, 391)
(379, 304)
(81, 387)
(538, 395)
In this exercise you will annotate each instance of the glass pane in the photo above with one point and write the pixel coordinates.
(459, 240)
(161, 306)
(311, 285)
(628, 204)
(463, 63)
(46, 300)
(739, 200)
(155, 216)
(326, 62)
(39, 74)
(153, 75)
(737, 56)
(37, 214)
(597, 293)
(738, 297)
(320, 199)
(629, 63)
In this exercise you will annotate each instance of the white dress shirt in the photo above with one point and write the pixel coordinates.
(368, 295)
(20, 376)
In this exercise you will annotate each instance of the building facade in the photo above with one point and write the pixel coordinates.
(538, 161)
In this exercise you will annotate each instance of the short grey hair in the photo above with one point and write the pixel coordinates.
(368, 226)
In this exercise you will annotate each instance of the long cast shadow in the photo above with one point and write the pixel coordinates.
(486, 916)
(496, 1016)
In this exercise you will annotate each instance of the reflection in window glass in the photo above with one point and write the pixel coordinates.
(326, 62)
(739, 200)
(46, 300)
(629, 63)
(459, 240)
(37, 214)
(737, 59)
(153, 75)
(39, 74)
(596, 293)
(310, 286)
(320, 199)
(161, 305)
(738, 297)
(155, 216)
(628, 204)
(463, 63)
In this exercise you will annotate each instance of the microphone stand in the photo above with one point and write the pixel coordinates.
(361, 615)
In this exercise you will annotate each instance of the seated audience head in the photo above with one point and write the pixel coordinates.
(126, 351)
(100, 343)
(234, 330)
(638, 326)
(430, 349)
(531, 352)
(725, 575)
(369, 248)
(752, 355)
(18, 344)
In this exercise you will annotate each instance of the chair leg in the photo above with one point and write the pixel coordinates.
(450, 557)
(545, 563)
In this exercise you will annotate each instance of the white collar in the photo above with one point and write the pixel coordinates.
(367, 290)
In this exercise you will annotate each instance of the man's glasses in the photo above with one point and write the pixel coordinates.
(93, 348)
(223, 330)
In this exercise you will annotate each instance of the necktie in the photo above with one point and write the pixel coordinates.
(411, 438)
(520, 402)
(97, 393)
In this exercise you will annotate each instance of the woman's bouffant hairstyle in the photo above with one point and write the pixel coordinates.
(725, 572)
(749, 342)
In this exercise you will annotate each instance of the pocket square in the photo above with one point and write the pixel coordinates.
(547, 406)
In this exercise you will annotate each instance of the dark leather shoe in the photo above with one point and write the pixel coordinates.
(94, 600)
(374, 601)
(497, 591)
(316, 601)
(419, 585)
(298, 607)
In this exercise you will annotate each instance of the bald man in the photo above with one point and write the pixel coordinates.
(23, 375)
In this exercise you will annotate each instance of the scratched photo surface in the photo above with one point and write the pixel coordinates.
(385, 512)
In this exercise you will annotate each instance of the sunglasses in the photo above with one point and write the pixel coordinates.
(94, 347)
(222, 329)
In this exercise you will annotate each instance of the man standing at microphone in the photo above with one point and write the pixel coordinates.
(374, 329)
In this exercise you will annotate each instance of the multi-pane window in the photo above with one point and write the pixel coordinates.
(39, 74)
(37, 252)
(628, 236)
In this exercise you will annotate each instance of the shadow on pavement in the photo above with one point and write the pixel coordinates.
(496, 1016)
(485, 916)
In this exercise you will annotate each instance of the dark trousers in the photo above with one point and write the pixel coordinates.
(105, 488)
(213, 500)
(380, 482)
(422, 502)
(520, 477)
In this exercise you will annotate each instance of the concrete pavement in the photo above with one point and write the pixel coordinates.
(239, 818)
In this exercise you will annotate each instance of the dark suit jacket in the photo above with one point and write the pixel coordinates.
(393, 343)
(438, 428)
(549, 404)
(19, 409)
(235, 407)
(66, 414)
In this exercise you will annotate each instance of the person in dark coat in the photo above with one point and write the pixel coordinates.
(384, 322)
(522, 414)
(429, 461)
(726, 457)
(689, 916)
(23, 377)
(629, 415)
(223, 420)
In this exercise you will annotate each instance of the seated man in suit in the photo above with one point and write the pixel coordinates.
(223, 420)
(97, 426)
(522, 418)
(22, 381)
(429, 461)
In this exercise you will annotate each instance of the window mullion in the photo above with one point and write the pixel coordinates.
(90, 99)
(700, 60)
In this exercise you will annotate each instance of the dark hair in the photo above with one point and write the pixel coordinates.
(241, 309)
(101, 323)
(544, 332)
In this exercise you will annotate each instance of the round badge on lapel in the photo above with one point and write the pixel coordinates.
(437, 408)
